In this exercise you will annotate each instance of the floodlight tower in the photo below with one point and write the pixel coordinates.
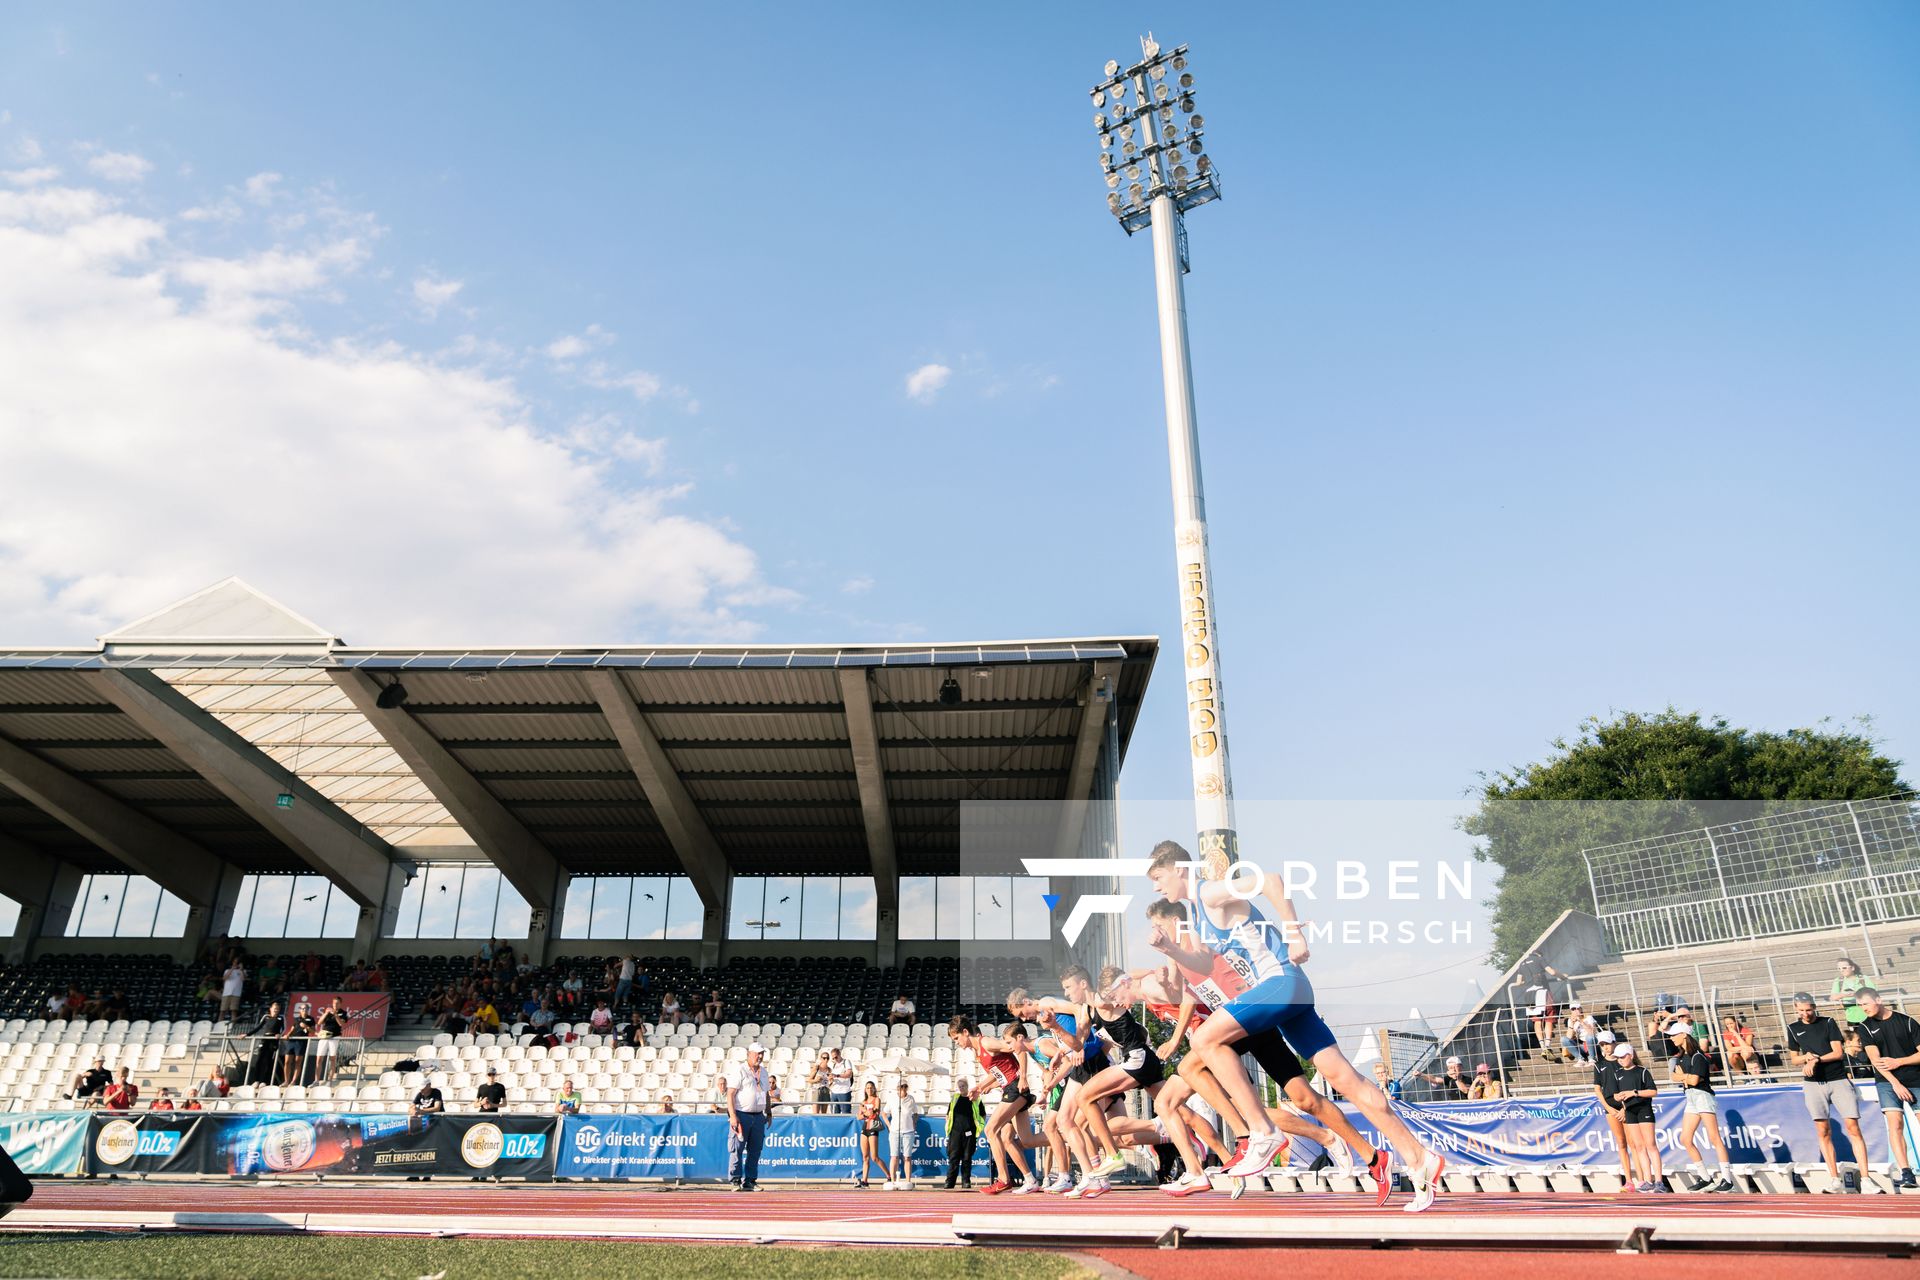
(1156, 169)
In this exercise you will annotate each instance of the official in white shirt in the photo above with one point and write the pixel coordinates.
(750, 1094)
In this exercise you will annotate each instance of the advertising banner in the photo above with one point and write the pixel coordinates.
(282, 1145)
(695, 1147)
(45, 1143)
(1761, 1124)
(366, 1011)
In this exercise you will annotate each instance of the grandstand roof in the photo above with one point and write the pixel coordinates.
(641, 758)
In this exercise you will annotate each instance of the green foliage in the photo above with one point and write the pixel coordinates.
(1534, 821)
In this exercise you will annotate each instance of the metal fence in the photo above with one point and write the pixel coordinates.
(1830, 867)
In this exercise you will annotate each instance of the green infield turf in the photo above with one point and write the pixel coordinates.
(220, 1257)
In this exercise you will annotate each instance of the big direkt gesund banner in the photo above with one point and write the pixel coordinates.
(268, 1144)
(45, 1143)
(1761, 1124)
(695, 1147)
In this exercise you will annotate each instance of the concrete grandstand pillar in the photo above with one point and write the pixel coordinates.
(27, 876)
(216, 921)
(886, 936)
(544, 926)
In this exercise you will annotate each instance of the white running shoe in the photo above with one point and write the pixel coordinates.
(1027, 1188)
(1099, 1187)
(891, 1186)
(1340, 1153)
(1188, 1184)
(1079, 1189)
(1061, 1184)
(1261, 1152)
(1107, 1168)
(1426, 1185)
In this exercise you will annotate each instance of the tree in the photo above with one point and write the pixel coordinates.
(1672, 763)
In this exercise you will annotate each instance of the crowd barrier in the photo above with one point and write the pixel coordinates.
(1762, 1124)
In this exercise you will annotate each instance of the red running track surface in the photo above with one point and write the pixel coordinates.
(1512, 1264)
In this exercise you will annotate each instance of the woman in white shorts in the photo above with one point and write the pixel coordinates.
(1693, 1071)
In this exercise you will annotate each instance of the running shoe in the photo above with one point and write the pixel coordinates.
(1026, 1188)
(1080, 1188)
(1188, 1184)
(1239, 1149)
(993, 1188)
(1107, 1168)
(1427, 1187)
(1341, 1154)
(1380, 1169)
(1060, 1185)
(1098, 1187)
(1260, 1154)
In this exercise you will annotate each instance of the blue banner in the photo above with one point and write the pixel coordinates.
(1761, 1124)
(694, 1147)
(45, 1143)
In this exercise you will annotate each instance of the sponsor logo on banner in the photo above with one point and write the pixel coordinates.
(524, 1146)
(45, 1144)
(586, 1139)
(481, 1145)
(407, 1159)
(118, 1142)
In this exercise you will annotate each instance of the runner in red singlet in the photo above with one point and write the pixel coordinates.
(1001, 1069)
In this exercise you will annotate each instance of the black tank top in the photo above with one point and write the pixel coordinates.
(1127, 1035)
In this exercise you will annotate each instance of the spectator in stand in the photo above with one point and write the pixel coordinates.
(233, 984)
(1737, 1040)
(1583, 1033)
(637, 1034)
(1634, 1090)
(1383, 1077)
(492, 1095)
(192, 1104)
(623, 985)
(1692, 1070)
(1859, 1065)
(571, 991)
(1893, 1046)
(215, 1085)
(666, 1104)
(670, 1009)
(163, 1102)
(899, 1119)
(486, 1017)
(712, 1010)
(116, 1005)
(1485, 1085)
(1814, 1045)
(428, 1101)
(56, 1005)
(311, 967)
(1543, 1017)
(271, 978)
(840, 1082)
(902, 1011)
(122, 1093)
(817, 1085)
(356, 980)
(567, 1101)
(293, 1050)
(1684, 1012)
(1453, 1085)
(542, 1019)
(327, 1032)
(1846, 990)
(601, 1019)
(90, 1085)
(377, 979)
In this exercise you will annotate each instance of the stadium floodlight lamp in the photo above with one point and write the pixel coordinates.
(391, 697)
(1162, 186)
(949, 691)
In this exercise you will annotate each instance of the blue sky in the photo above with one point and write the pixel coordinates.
(1549, 362)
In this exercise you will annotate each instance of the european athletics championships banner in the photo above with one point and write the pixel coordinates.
(1762, 1124)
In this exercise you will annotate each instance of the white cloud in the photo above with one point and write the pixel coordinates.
(924, 383)
(261, 188)
(857, 586)
(221, 210)
(569, 347)
(25, 150)
(642, 385)
(31, 177)
(120, 166)
(156, 443)
(434, 294)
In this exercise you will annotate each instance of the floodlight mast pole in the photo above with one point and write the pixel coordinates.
(1170, 194)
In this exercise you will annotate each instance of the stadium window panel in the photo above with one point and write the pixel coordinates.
(242, 921)
(783, 908)
(171, 921)
(953, 908)
(513, 917)
(271, 898)
(647, 914)
(577, 908)
(138, 906)
(100, 905)
(406, 917)
(993, 907)
(343, 915)
(1031, 918)
(479, 900)
(9, 915)
(858, 908)
(685, 913)
(440, 907)
(820, 908)
(916, 907)
(308, 910)
(610, 897)
(749, 897)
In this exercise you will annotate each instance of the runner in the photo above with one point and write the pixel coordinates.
(1062, 1017)
(1190, 976)
(1278, 997)
(1169, 1094)
(999, 1069)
